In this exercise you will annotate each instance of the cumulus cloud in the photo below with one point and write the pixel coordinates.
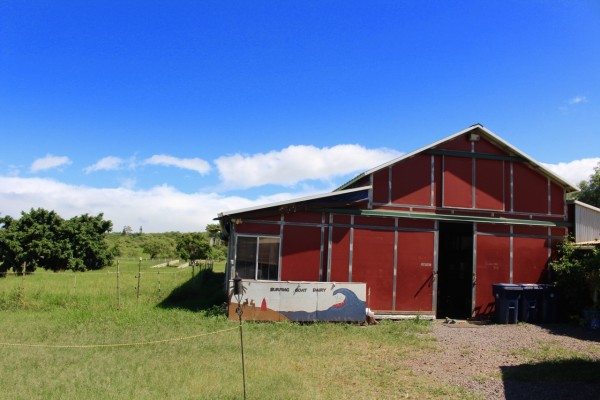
(574, 171)
(578, 100)
(49, 162)
(159, 209)
(194, 164)
(105, 164)
(294, 164)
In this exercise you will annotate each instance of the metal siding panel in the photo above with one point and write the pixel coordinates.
(493, 266)
(411, 182)
(301, 252)
(557, 194)
(302, 216)
(587, 224)
(457, 182)
(530, 258)
(340, 250)
(484, 146)
(415, 264)
(258, 229)
(460, 143)
(489, 185)
(373, 264)
(380, 186)
(530, 190)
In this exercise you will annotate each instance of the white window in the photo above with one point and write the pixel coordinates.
(257, 257)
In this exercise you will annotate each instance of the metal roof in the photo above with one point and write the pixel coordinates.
(338, 193)
(490, 135)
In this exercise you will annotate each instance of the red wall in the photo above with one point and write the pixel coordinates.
(530, 190)
(414, 282)
(492, 266)
(530, 256)
(458, 175)
(489, 193)
(300, 252)
(411, 181)
(340, 252)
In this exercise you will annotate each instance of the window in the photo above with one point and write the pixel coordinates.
(257, 257)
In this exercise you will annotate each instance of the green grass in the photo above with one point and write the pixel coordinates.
(283, 360)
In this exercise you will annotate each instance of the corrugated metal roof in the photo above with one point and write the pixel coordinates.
(339, 193)
(490, 135)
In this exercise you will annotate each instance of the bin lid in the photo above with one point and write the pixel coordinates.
(531, 286)
(507, 286)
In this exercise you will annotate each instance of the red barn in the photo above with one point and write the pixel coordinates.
(428, 232)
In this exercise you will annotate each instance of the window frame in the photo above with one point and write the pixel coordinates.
(258, 236)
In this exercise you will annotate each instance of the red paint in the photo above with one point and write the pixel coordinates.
(341, 219)
(374, 221)
(493, 266)
(263, 305)
(493, 228)
(373, 264)
(530, 230)
(437, 181)
(557, 199)
(411, 181)
(530, 256)
(414, 271)
(460, 143)
(300, 253)
(484, 146)
(457, 182)
(303, 216)
(340, 251)
(380, 186)
(489, 181)
(257, 228)
(530, 190)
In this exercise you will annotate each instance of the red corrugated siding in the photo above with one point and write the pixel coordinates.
(437, 178)
(557, 199)
(373, 263)
(256, 228)
(300, 253)
(530, 230)
(303, 217)
(373, 221)
(530, 256)
(415, 224)
(340, 252)
(415, 271)
(530, 190)
(483, 146)
(457, 182)
(341, 219)
(493, 266)
(411, 181)
(489, 184)
(493, 228)
(460, 143)
(380, 186)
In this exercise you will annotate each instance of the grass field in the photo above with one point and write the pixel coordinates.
(283, 360)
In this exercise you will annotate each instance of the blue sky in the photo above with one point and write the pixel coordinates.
(198, 103)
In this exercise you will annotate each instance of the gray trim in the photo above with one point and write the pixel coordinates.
(235, 234)
(549, 198)
(394, 283)
(322, 249)
(472, 154)
(443, 180)
(390, 184)
(435, 266)
(474, 278)
(511, 261)
(504, 186)
(370, 204)
(473, 180)
(351, 248)
(329, 240)
(432, 191)
(280, 248)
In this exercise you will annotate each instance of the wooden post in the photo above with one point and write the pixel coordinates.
(193, 269)
(138, 279)
(158, 273)
(118, 286)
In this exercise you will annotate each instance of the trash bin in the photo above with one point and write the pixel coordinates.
(507, 302)
(549, 304)
(531, 300)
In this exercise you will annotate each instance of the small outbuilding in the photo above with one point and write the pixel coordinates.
(428, 232)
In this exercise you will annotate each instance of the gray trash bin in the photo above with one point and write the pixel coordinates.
(549, 304)
(507, 297)
(531, 301)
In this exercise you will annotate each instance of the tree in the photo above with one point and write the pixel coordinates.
(590, 190)
(193, 246)
(155, 248)
(214, 232)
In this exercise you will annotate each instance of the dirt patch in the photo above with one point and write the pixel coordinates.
(481, 358)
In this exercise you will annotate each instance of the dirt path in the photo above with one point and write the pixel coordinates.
(479, 358)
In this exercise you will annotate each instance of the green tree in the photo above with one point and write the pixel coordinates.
(156, 247)
(193, 246)
(590, 190)
(214, 233)
(86, 234)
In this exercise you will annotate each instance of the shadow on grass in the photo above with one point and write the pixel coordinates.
(574, 331)
(557, 379)
(202, 292)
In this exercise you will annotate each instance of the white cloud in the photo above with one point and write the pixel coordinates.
(194, 164)
(578, 100)
(49, 162)
(574, 171)
(159, 209)
(105, 164)
(294, 164)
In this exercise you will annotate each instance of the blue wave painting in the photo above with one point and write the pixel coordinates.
(349, 309)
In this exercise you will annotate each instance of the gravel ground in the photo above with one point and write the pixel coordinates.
(474, 356)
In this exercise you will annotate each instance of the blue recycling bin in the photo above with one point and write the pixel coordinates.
(507, 297)
(531, 303)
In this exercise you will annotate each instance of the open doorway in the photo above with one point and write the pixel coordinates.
(455, 270)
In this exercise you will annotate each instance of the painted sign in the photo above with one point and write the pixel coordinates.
(300, 301)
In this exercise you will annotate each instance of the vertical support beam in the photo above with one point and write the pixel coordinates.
(351, 248)
(474, 279)
(549, 198)
(473, 180)
(394, 282)
(281, 223)
(512, 186)
(322, 249)
(436, 240)
(511, 260)
(503, 186)
(329, 240)
(257, 256)
(390, 184)
(549, 271)
(432, 191)
(370, 206)
(443, 180)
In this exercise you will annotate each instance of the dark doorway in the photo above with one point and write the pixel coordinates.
(455, 270)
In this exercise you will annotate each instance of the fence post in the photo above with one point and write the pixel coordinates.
(193, 269)
(118, 286)
(138, 280)
(158, 273)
